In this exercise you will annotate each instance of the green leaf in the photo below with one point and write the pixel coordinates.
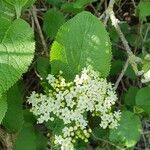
(146, 61)
(138, 110)
(13, 120)
(56, 126)
(53, 19)
(29, 117)
(3, 107)
(130, 96)
(118, 54)
(11, 9)
(29, 3)
(71, 8)
(76, 6)
(41, 141)
(80, 42)
(100, 133)
(134, 40)
(99, 148)
(113, 34)
(144, 9)
(6, 10)
(16, 51)
(43, 66)
(130, 73)
(128, 132)
(17, 4)
(81, 145)
(82, 3)
(55, 2)
(143, 99)
(26, 139)
(116, 67)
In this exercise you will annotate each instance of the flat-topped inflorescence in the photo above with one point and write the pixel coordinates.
(70, 101)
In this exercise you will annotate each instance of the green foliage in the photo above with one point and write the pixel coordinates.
(128, 133)
(87, 46)
(41, 141)
(81, 146)
(6, 11)
(13, 120)
(130, 96)
(29, 3)
(26, 139)
(100, 133)
(56, 126)
(11, 9)
(81, 40)
(30, 138)
(146, 61)
(146, 66)
(55, 2)
(28, 116)
(144, 9)
(53, 19)
(76, 6)
(130, 73)
(3, 107)
(116, 67)
(16, 51)
(43, 66)
(143, 99)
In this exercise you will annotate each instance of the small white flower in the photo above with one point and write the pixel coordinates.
(78, 80)
(50, 78)
(71, 101)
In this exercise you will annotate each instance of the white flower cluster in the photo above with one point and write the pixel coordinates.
(70, 101)
(146, 77)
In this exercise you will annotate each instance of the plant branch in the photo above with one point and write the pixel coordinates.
(34, 13)
(121, 74)
(133, 60)
(106, 141)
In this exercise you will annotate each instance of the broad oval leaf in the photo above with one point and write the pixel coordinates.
(43, 66)
(80, 41)
(128, 132)
(53, 19)
(13, 120)
(143, 99)
(26, 139)
(16, 51)
(130, 96)
(143, 8)
(76, 6)
(56, 3)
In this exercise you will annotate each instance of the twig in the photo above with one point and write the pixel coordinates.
(146, 132)
(134, 3)
(133, 60)
(122, 74)
(100, 4)
(107, 14)
(106, 141)
(34, 13)
(7, 140)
